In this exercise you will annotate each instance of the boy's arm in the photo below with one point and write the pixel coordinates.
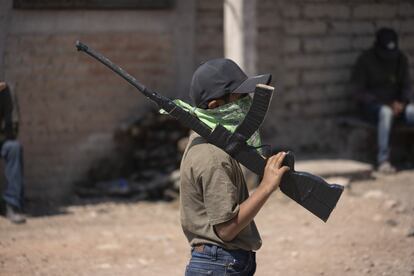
(273, 173)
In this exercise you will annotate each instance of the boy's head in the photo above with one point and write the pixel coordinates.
(221, 80)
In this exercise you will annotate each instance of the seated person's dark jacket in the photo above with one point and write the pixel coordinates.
(380, 79)
(6, 108)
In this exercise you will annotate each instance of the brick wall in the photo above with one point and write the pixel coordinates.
(208, 30)
(310, 48)
(70, 104)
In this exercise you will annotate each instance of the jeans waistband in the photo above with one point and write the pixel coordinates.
(215, 250)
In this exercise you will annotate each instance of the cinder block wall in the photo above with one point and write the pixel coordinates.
(70, 104)
(209, 30)
(310, 48)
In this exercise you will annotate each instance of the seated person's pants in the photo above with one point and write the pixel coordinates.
(385, 119)
(12, 154)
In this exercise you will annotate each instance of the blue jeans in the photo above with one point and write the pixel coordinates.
(384, 117)
(12, 153)
(215, 260)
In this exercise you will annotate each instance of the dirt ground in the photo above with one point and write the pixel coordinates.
(371, 232)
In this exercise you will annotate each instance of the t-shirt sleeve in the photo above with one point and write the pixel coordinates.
(219, 194)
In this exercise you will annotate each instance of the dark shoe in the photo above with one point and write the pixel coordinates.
(386, 168)
(14, 215)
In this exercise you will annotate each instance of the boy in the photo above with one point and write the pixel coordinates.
(216, 210)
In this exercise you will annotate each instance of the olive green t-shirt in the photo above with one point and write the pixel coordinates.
(211, 191)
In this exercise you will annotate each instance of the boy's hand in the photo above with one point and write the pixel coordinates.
(274, 171)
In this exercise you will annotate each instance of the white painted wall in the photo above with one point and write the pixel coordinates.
(240, 33)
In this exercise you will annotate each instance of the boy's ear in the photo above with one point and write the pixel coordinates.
(213, 104)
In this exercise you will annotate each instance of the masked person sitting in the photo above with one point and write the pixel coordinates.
(216, 210)
(11, 152)
(383, 91)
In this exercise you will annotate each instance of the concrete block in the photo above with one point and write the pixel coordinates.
(301, 61)
(362, 42)
(212, 22)
(327, 44)
(407, 26)
(334, 11)
(291, 45)
(389, 23)
(290, 95)
(322, 108)
(330, 60)
(290, 11)
(267, 5)
(326, 76)
(209, 5)
(375, 11)
(407, 43)
(406, 9)
(322, 93)
(351, 27)
(313, 109)
(269, 19)
(314, 94)
(291, 78)
(337, 91)
(305, 27)
(344, 59)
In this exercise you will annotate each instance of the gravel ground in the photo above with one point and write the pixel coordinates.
(371, 232)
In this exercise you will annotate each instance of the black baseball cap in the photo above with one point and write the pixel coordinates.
(216, 78)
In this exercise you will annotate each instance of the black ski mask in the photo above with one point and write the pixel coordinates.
(386, 44)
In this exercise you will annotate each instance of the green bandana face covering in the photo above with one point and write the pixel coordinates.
(229, 116)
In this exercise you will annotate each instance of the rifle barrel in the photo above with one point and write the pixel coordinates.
(118, 70)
